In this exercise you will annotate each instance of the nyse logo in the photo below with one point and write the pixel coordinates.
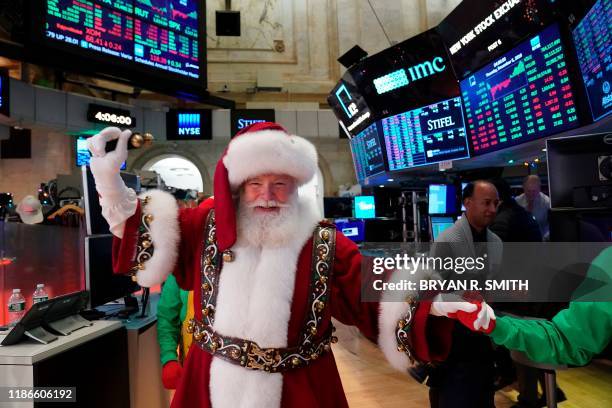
(188, 124)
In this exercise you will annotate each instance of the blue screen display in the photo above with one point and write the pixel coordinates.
(442, 199)
(367, 153)
(593, 40)
(439, 225)
(352, 229)
(426, 135)
(83, 155)
(521, 96)
(365, 207)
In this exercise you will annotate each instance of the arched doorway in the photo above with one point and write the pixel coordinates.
(176, 171)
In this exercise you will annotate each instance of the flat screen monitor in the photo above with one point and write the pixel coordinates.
(94, 221)
(521, 96)
(103, 285)
(337, 207)
(439, 225)
(442, 199)
(580, 171)
(477, 31)
(367, 153)
(593, 41)
(425, 135)
(189, 124)
(349, 105)
(463, 186)
(365, 207)
(352, 229)
(242, 118)
(580, 225)
(83, 155)
(159, 44)
(413, 73)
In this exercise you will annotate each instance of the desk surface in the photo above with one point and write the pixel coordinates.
(29, 352)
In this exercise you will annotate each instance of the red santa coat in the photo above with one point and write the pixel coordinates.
(263, 297)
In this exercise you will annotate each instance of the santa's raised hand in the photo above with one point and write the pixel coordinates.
(117, 201)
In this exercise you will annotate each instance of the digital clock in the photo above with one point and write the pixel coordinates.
(111, 116)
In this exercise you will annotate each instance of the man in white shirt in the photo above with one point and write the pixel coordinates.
(536, 202)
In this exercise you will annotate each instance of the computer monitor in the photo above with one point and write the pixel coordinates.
(338, 207)
(439, 225)
(580, 171)
(365, 207)
(463, 186)
(95, 223)
(352, 229)
(103, 285)
(83, 155)
(442, 199)
(593, 48)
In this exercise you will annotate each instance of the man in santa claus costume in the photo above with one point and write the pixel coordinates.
(267, 276)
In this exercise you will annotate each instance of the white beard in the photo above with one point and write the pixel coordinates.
(268, 230)
(255, 297)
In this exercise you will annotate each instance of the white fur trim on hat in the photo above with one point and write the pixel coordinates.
(270, 152)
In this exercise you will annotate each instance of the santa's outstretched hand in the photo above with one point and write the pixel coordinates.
(117, 201)
(476, 315)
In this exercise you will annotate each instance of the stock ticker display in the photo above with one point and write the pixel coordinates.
(367, 153)
(593, 42)
(425, 135)
(521, 96)
(162, 34)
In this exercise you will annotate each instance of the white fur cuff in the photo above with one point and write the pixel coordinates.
(390, 314)
(165, 235)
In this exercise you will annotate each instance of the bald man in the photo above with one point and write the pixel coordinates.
(466, 378)
(536, 202)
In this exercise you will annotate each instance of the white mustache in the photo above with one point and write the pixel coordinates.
(267, 204)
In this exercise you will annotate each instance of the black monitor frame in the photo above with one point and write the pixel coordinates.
(69, 58)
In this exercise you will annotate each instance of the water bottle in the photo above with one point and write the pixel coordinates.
(40, 295)
(16, 307)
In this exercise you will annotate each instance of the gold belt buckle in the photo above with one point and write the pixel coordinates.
(258, 358)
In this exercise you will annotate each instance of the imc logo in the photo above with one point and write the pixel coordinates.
(188, 123)
(403, 77)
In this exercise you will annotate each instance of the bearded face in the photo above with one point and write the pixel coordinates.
(267, 210)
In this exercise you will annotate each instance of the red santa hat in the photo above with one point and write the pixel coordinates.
(261, 148)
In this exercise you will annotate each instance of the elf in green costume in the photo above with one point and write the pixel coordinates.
(573, 336)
